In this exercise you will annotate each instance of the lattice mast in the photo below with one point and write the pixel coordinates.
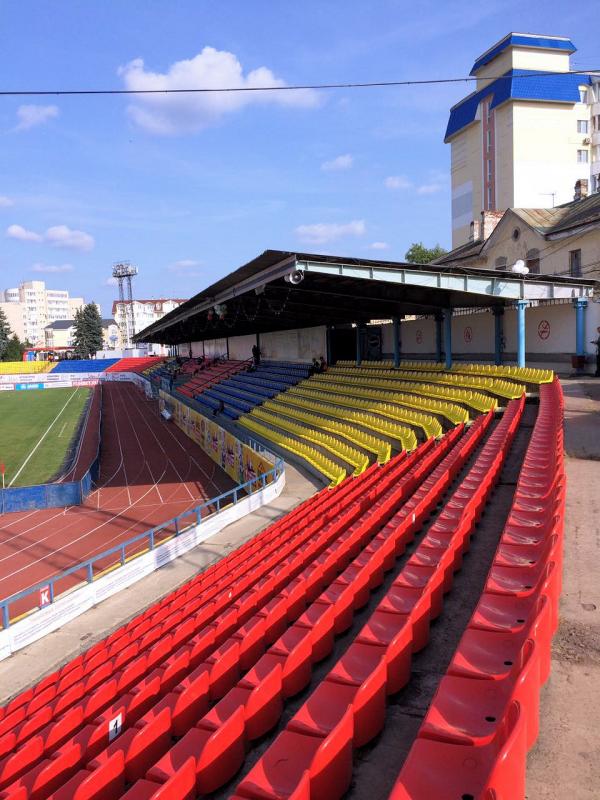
(124, 271)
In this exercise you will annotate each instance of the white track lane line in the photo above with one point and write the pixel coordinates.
(72, 541)
(157, 440)
(106, 522)
(63, 511)
(193, 460)
(42, 437)
(137, 438)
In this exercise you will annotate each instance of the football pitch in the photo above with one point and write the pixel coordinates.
(36, 429)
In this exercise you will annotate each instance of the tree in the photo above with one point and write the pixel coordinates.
(419, 254)
(88, 331)
(5, 332)
(14, 349)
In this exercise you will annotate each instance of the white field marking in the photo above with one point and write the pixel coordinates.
(145, 461)
(112, 402)
(42, 437)
(157, 440)
(67, 544)
(81, 509)
(191, 458)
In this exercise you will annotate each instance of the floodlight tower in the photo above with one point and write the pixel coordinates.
(124, 271)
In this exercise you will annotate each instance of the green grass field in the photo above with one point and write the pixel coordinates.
(36, 429)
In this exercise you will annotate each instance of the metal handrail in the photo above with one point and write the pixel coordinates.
(150, 536)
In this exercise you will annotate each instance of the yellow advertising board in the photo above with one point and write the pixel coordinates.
(239, 461)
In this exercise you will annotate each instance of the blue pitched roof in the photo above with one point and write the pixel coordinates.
(523, 40)
(515, 85)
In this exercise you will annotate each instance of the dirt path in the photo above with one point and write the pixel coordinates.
(565, 762)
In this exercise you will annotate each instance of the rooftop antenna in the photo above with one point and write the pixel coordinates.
(549, 194)
(124, 271)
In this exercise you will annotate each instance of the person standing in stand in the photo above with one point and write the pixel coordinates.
(256, 355)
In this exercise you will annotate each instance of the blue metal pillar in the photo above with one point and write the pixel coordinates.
(498, 335)
(448, 336)
(358, 350)
(521, 306)
(580, 306)
(438, 337)
(397, 346)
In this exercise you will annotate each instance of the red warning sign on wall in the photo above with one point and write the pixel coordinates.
(468, 334)
(544, 329)
(419, 336)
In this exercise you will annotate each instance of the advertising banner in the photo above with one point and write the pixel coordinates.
(239, 461)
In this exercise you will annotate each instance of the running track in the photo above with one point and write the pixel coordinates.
(150, 472)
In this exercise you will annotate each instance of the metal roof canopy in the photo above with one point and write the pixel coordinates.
(333, 290)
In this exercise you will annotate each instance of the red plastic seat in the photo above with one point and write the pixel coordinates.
(107, 782)
(295, 762)
(394, 632)
(217, 748)
(450, 771)
(180, 786)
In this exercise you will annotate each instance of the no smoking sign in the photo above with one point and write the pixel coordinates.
(544, 329)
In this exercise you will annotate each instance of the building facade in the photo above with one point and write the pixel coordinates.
(32, 306)
(145, 312)
(528, 132)
(60, 335)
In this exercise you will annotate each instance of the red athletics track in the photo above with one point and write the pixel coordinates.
(150, 472)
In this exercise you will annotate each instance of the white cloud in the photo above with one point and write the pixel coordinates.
(5, 202)
(397, 182)
(111, 281)
(379, 246)
(22, 234)
(63, 236)
(430, 188)
(338, 164)
(177, 114)
(324, 232)
(57, 236)
(30, 116)
(187, 267)
(39, 267)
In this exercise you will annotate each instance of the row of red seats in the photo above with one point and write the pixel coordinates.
(138, 364)
(211, 375)
(218, 741)
(485, 715)
(312, 757)
(152, 640)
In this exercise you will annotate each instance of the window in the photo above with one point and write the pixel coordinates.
(489, 197)
(501, 262)
(489, 139)
(582, 156)
(489, 169)
(516, 233)
(575, 263)
(582, 94)
(582, 126)
(533, 261)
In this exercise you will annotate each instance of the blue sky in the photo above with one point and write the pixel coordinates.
(189, 188)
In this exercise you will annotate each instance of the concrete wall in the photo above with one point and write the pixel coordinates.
(292, 345)
(549, 334)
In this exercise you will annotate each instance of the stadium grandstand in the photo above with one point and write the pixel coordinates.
(401, 615)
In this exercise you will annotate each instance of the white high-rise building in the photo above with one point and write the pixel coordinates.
(522, 139)
(32, 307)
(145, 312)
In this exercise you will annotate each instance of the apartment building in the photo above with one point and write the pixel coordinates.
(141, 313)
(526, 135)
(32, 307)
